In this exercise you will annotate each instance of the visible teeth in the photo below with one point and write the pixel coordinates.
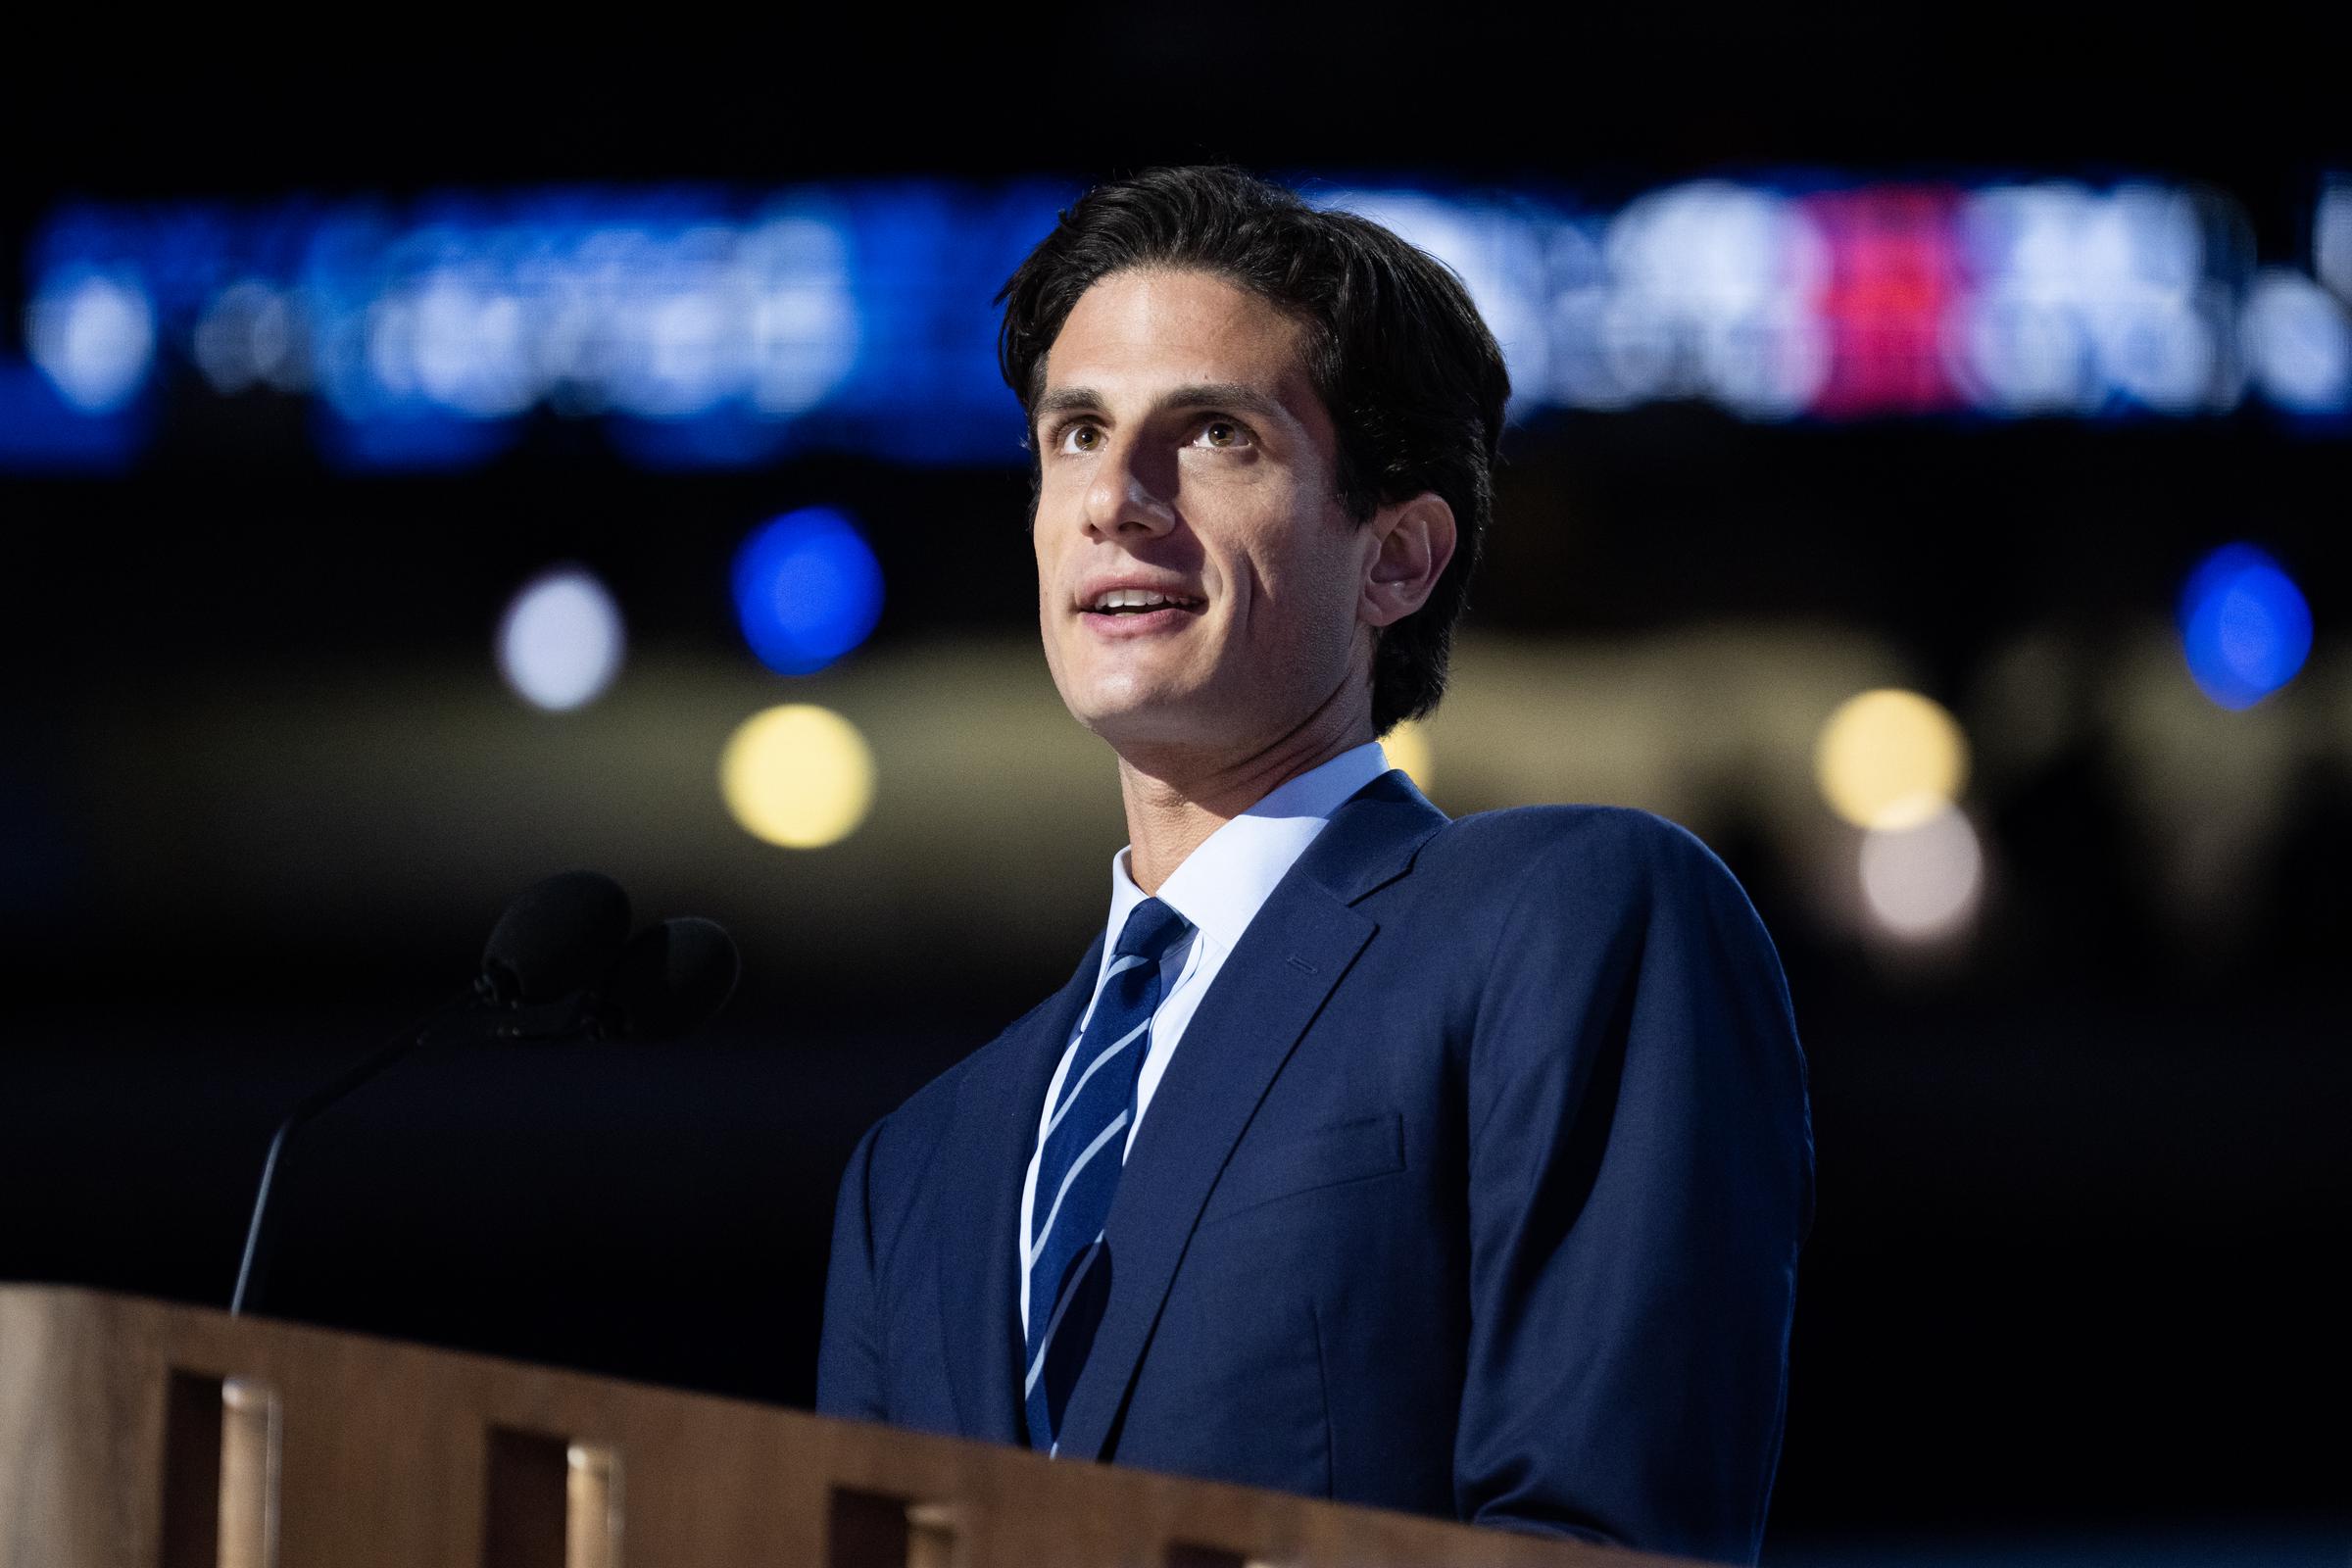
(1132, 599)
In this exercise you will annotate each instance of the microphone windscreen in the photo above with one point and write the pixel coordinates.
(672, 979)
(557, 937)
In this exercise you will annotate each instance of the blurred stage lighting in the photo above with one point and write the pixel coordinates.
(2084, 301)
(2332, 236)
(706, 328)
(2298, 342)
(1891, 760)
(560, 640)
(1924, 882)
(2245, 626)
(249, 336)
(93, 336)
(808, 590)
(799, 776)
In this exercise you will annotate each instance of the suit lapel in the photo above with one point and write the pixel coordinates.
(993, 1129)
(1296, 951)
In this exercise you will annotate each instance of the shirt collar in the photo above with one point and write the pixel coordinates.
(1221, 885)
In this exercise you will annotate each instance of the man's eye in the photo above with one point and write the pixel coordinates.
(1223, 433)
(1081, 438)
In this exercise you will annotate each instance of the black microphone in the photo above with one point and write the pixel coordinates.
(555, 939)
(671, 980)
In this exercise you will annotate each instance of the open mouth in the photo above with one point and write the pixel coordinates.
(1125, 602)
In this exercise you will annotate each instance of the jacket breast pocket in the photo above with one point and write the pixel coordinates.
(1304, 1162)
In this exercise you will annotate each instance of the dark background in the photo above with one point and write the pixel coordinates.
(2084, 1192)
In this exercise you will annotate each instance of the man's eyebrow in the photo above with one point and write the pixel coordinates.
(1063, 399)
(1231, 395)
(1223, 395)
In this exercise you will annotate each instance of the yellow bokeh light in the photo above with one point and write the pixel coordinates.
(1891, 760)
(1407, 747)
(799, 775)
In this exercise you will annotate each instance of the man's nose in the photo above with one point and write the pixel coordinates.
(1126, 496)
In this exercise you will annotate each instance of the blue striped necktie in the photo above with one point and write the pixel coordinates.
(1078, 1168)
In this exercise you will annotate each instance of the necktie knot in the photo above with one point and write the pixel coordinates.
(1151, 929)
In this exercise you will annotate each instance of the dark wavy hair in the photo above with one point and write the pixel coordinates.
(1411, 377)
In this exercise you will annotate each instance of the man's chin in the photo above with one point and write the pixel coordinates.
(1157, 723)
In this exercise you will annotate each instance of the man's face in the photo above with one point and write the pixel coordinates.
(1184, 454)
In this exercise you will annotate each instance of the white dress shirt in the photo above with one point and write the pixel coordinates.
(1219, 888)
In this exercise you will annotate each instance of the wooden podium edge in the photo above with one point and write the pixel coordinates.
(385, 1452)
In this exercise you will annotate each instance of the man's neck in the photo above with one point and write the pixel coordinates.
(1175, 800)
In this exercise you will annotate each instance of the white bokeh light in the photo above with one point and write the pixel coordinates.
(93, 335)
(1709, 292)
(247, 336)
(2081, 296)
(661, 321)
(560, 641)
(1923, 883)
(2299, 341)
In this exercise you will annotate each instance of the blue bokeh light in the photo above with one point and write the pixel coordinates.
(807, 589)
(2244, 625)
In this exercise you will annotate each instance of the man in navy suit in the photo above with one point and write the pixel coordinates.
(1458, 1167)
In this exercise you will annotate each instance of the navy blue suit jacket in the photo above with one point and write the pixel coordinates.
(1475, 1188)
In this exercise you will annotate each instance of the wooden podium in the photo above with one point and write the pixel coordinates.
(139, 1435)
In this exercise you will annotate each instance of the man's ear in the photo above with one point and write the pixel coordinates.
(1408, 546)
